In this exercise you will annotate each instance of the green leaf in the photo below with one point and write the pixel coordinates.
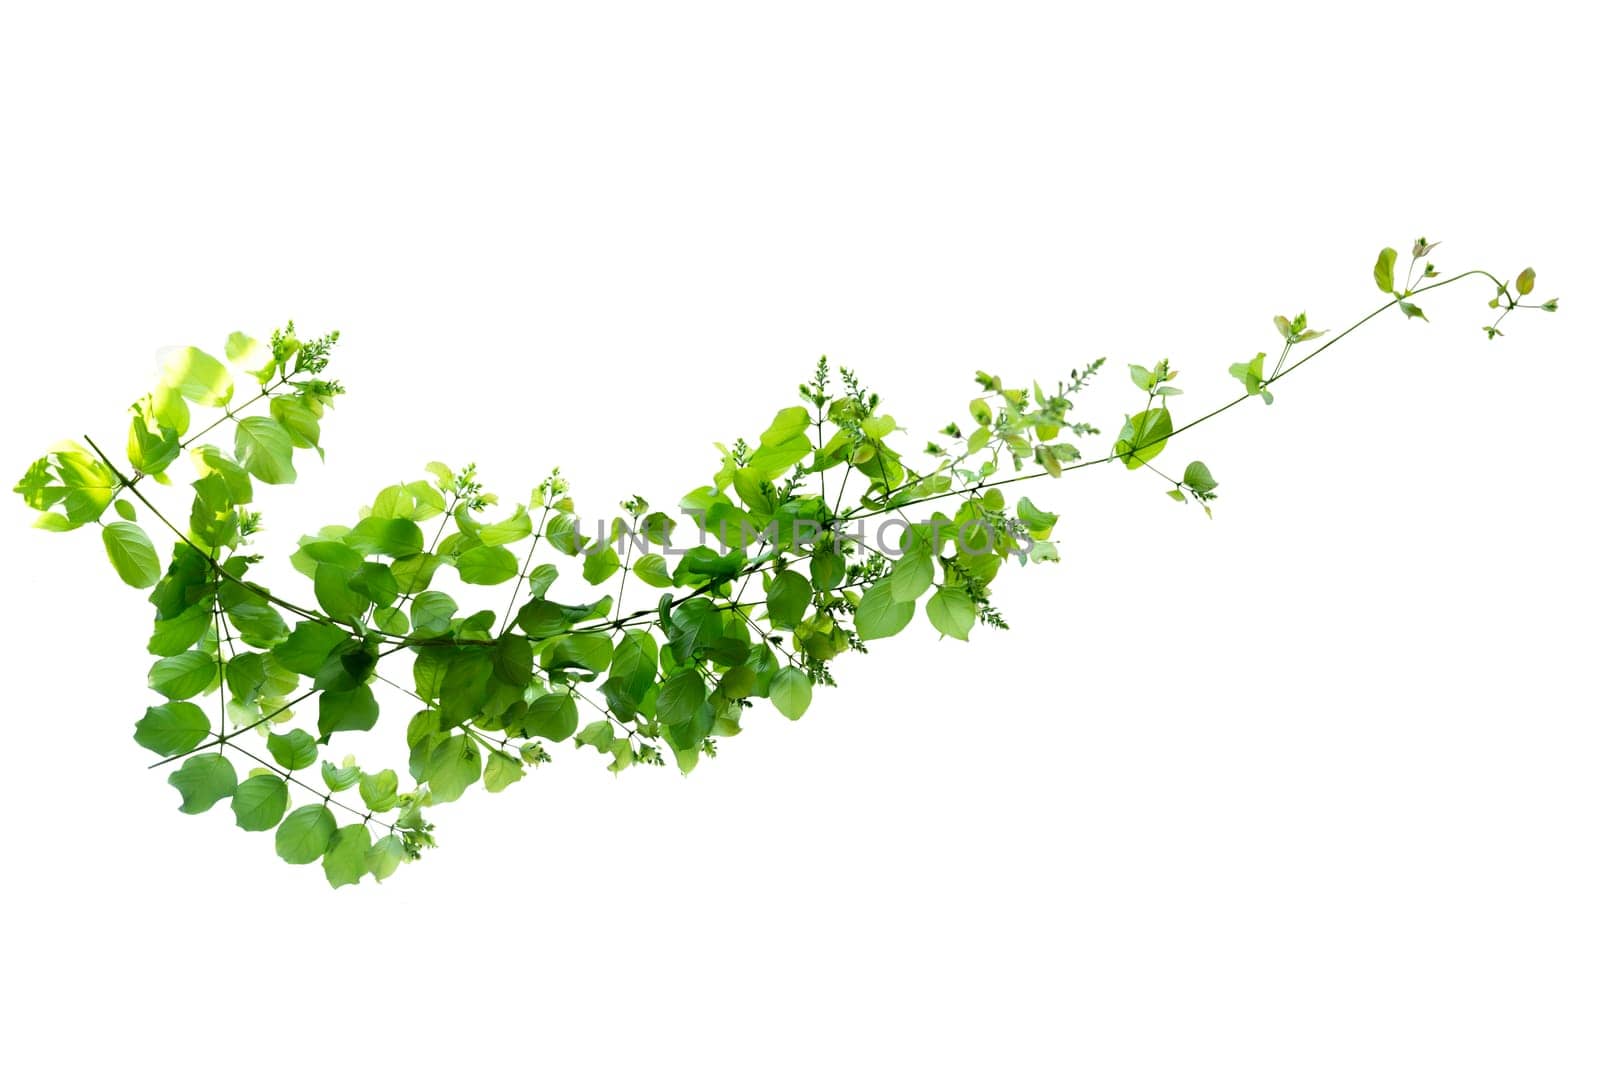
(508, 531)
(172, 728)
(911, 575)
(265, 450)
(258, 624)
(299, 418)
(1525, 282)
(295, 749)
(1196, 476)
(414, 573)
(599, 735)
(304, 835)
(680, 698)
(1383, 271)
(391, 620)
(1411, 310)
(203, 781)
(540, 618)
(197, 377)
(788, 599)
(308, 647)
(132, 554)
(340, 777)
(465, 686)
(787, 424)
(587, 652)
(827, 568)
(259, 802)
(152, 447)
(598, 566)
(1250, 374)
(876, 428)
(395, 537)
(353, 710)
(880, 614)
(251, 356)
(782, 445)
(183, 676)
(1143, 436)
(385, 857)
(380, 791)
(1040, 523)
(790, 692)
(652, 570)
(561, 532)
(487, 565)
(501, 772)
(431, 613)
(334, 594)
(513, 659)
(952, 612)
(453, 767)
(553, 716)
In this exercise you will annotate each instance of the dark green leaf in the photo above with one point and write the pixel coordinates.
(354, 710)
(172, 728)
(554, 716)
(308, 646)
(203, 781)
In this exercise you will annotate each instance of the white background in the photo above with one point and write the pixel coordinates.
(1313, 782)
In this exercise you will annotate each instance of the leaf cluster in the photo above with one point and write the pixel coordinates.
(794, 551)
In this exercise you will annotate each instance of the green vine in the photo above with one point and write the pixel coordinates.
(803, 547)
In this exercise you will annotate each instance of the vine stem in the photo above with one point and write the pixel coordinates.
(864, 508)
